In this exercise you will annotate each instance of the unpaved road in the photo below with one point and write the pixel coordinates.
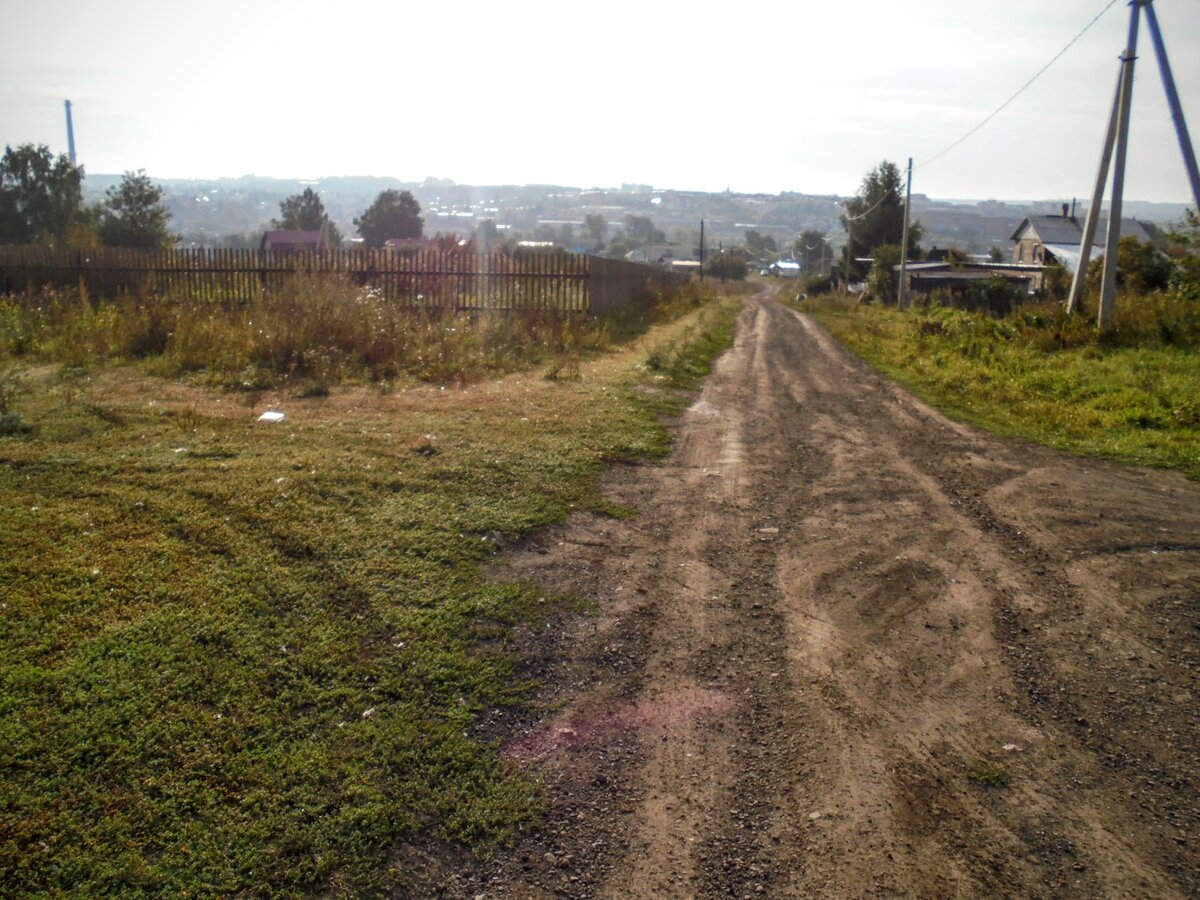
(849, 648)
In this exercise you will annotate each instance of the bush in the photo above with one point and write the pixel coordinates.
(726, 265)
(815, 285)
(881, 280)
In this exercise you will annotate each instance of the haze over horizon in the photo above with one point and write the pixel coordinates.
(772, 99)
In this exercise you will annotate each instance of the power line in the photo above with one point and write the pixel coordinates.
(863, 215)
(1023, 87)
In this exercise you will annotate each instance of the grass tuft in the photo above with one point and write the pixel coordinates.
(989, 775)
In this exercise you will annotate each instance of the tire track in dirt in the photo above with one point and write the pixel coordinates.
(835, 610)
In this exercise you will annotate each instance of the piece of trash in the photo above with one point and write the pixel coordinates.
(179, 450)
(367, 713)
(568, 732)
(768, 531)
(271, 415)
(813, 816)
(1011, 748)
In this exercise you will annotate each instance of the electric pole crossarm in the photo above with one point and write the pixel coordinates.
(1181, 130)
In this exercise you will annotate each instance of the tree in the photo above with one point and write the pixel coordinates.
(875, 216)
(133, 214)
(596, 229)
(813, 248)
(394, 214)
(881, 282)
(487, 235)
(726, 264)
(761, 247)
(1186, 232)
(641, 230)
(306, 212)
(40, 196)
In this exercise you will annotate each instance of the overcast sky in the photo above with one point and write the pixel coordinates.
(767, 96)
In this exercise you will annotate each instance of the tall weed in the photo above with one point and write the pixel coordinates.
(315, 332)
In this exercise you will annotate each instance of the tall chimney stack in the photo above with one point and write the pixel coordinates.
(70, 134)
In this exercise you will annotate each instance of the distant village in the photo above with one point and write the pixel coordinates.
(645, 224)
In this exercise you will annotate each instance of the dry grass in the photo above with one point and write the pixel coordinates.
(315, 333)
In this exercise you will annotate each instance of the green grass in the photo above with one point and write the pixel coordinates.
(989, 775)
(1044, 378)
(249, 658)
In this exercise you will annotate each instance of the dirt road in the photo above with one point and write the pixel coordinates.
(850, 648)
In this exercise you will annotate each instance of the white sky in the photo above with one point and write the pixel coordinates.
(765, 96)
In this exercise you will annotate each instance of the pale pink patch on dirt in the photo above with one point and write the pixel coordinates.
(592, 727)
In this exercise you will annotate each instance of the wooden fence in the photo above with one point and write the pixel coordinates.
(424, 278)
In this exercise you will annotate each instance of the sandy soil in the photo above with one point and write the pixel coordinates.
(850, 648)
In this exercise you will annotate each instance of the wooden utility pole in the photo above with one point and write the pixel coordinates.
(701, 249)
(902, 291)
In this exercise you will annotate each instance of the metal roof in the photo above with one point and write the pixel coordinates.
(1068, 230)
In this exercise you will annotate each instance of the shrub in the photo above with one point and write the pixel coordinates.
(816, 285)
(726, 265)
(881, 280)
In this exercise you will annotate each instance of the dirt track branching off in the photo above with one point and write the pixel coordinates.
(1045, 376)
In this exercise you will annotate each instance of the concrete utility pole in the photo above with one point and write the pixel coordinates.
(1109, 284)
(902, 292)
(1118, 136)
(849, 245)
(1093, 217)
(70, 134)
(701, 249)
(1181, 129)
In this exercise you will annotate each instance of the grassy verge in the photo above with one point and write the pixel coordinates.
(1044, 378)
(245, 657)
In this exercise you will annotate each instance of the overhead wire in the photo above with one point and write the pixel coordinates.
(1023, 87)
(864, 214)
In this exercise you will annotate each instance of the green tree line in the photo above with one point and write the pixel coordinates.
(41, 202)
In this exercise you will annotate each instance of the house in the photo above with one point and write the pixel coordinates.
(787, 268)
(283, 241)
(1046, 240)
(962, 281)
(656, 254)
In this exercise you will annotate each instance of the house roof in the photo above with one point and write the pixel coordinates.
(283, 239)
(1068, 229)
